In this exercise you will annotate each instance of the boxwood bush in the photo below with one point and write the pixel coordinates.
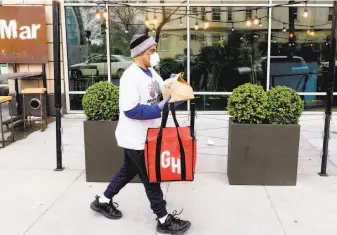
(248, 103)
(285, 106)
(100, 102)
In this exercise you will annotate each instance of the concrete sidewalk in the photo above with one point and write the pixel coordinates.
(35, 200)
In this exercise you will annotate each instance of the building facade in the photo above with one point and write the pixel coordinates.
(218, 45)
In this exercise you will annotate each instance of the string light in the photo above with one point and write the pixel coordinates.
(248, 22)
(154, 18)
(260, 23)
(105, 13)
(305, 12)
(147, 20)
(256, 20)
(153, 29)
(98, 14)
(233, 29)
(308, 31)
(312, 32)
(291, 35)
(196, 27)
(284, 28)
(127, 29)
(206, 24)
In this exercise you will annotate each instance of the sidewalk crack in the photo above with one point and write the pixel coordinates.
(57, 199)
(274, 209)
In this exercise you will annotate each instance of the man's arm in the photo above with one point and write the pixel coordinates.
(144, 112)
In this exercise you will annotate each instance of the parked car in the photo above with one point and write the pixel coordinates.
(97, 66)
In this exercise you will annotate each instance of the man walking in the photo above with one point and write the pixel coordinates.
(140, 89)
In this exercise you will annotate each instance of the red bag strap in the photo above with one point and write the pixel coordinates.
(159, 143)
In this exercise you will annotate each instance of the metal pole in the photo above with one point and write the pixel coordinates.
(44, 77)
(328, 110)
(17, 93)
(57, 82)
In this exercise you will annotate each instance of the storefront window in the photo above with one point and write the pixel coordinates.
(300, 49)
(225, 54)
(228, 45)
(211, 102)
(86, 44)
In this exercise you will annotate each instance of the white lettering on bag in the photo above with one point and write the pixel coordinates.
(10, 30)
(167, 161)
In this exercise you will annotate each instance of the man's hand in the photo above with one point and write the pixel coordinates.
(162, 103)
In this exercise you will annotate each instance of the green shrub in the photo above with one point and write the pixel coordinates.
(248, 104)
(285, 106)
(100, 102)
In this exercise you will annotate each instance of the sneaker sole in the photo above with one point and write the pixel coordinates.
(98, 210)
(174, 233)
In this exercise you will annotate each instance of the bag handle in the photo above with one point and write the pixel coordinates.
(192, 121)
(166, 113)
(159, 143)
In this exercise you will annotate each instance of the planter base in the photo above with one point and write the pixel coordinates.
(262, 154)
(103, 157)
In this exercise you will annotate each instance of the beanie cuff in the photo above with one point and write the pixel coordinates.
(142, 47)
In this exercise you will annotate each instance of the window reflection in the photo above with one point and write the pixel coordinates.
(300, 49)
(227, 47)
(86, 44)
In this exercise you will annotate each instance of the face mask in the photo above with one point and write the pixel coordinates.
(154, 59)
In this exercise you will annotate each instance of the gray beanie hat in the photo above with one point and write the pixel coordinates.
(140, 43)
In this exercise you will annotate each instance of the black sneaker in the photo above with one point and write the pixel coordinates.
(109, 210)
(173, 225)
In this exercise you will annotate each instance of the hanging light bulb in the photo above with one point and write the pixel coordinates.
(248, 22)
(181, 22)
(98, 14)
(127, 29)
(181, 40)
(291, 35)
(105, 13)
(147, 19)
(233, 29)
(206, 24)
(260, 25)
(308, 31)
(154, 18)
(256, 19)
(153, 29)
(305, 13)
(284, 28)
(196, 27)
(312, 33)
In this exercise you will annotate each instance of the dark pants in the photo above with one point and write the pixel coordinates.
(134, 164)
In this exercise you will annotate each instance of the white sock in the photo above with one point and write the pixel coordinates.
(103, 199)
(163, 219)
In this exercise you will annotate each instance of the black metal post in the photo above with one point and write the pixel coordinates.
(57, 82)
(44, 79)
(17, 93)
(328, 110)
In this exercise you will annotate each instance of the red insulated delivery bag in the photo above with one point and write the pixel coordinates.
(170, 152)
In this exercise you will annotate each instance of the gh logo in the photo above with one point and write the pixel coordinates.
(167, 161)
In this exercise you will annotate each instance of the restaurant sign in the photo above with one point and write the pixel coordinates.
(23, 37)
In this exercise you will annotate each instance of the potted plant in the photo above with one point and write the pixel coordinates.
(103, 157)
(264, 135)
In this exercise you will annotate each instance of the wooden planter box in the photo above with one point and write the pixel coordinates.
(103, 157)
(262, 154)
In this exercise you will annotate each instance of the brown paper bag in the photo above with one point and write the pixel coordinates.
(179, 89)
